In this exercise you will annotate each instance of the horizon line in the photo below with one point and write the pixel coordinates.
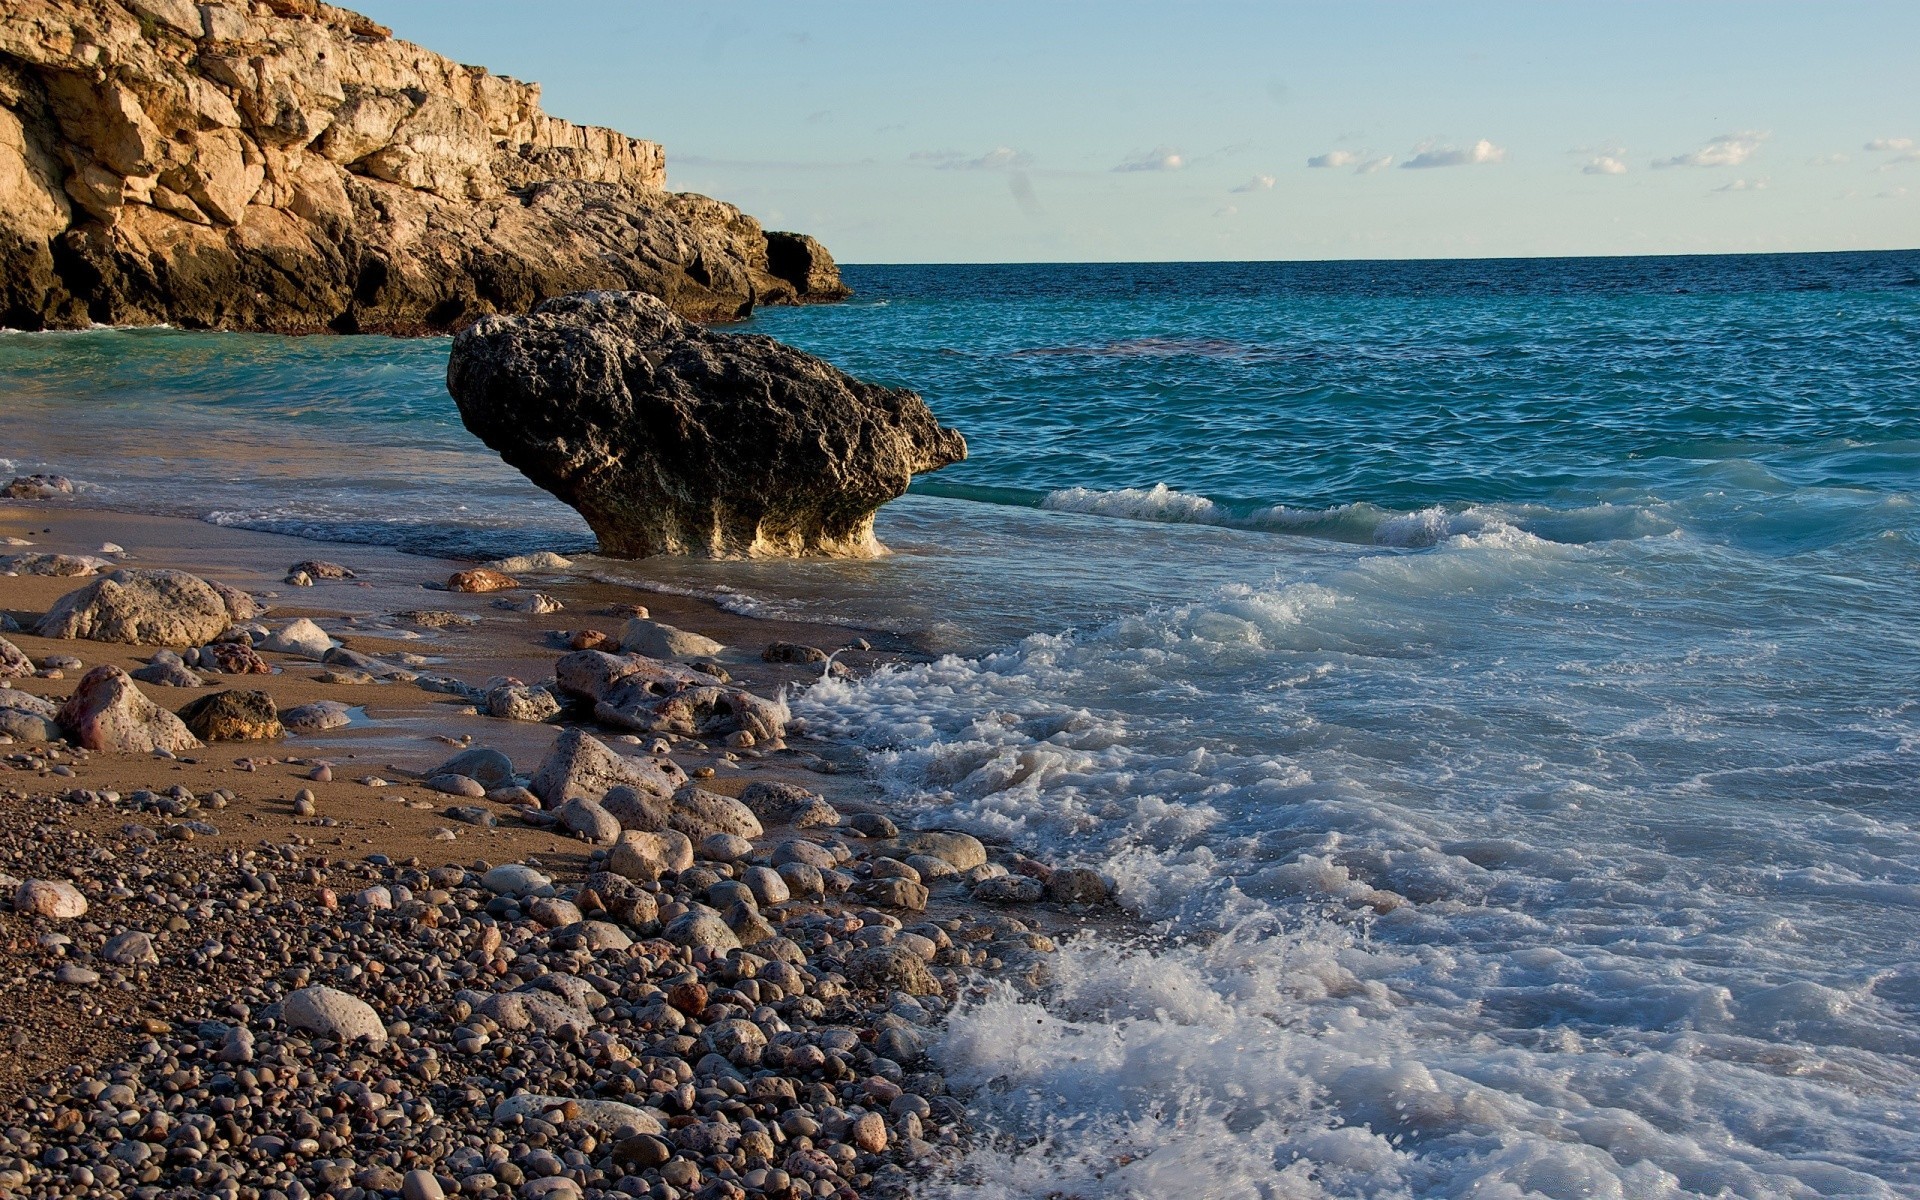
(1197, 262)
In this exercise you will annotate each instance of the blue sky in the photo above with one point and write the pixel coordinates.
(1053, 131)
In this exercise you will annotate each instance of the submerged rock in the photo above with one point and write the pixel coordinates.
(671, 439)
(37, 487)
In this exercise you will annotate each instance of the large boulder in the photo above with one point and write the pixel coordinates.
(582, 765)
(107, 711)
(234, 716)
(146, 608)
(673, 439)
(290, 166)
(632, 691)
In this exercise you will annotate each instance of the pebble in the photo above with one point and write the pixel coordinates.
(52, 898)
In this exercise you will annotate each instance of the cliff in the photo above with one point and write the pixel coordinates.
(287, 165)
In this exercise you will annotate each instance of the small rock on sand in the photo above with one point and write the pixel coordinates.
(333, 1013)
(52, 898)
(299, 637)
(656, 639)
(792, 652)
(538, 563)
(316, 717)
(480, 579)
(234, 716)
(319, 568)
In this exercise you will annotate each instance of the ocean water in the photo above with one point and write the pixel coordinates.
(1495, 686)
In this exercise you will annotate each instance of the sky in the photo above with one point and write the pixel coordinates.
(1052, 131)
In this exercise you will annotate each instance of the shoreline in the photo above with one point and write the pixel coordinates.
(70, 813)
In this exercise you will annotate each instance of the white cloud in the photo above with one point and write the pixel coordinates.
(1828, 160)
(1334, 159)
(1898, 193)
(1480, 153)
(1000, 158)
(1743, 185)
(1259, 183)
(1160, 158)
(1727, 150)
(1885, 145)
(1605, 164)
(1226, 210)
(1374, 164)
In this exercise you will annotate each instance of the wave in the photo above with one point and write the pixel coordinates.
(1365, 523)
(1427, 918)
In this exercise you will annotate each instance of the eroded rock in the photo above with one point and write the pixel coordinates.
(671, 439)
(108, 712)
(145, 608)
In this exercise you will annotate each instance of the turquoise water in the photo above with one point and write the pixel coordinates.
(1509, 668)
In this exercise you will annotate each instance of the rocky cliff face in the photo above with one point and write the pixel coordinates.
(288, 165)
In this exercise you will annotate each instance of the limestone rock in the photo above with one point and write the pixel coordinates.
(130, 949)
(333, 1013)
(513, 702)
(480, 579)
(892, 968)
(514, 879)
(53, 898)
(317, 717)
(582, 765)
(789, 804)
(299, 637)
(656, 639)
(701, 927)
(603, 1118)
(644, 856)
(590, 821)
(672, 439)
(699, 813)
(32, 487)
(166, 670)
(492, 768)
(962, 850)
(13, 661)
(28, 718)
(143, 607)
(290, 166)
(636, 692)
(234, 716)
(107, 712)
(53, 565)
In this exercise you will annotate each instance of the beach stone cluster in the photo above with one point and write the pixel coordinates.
(753, 1019)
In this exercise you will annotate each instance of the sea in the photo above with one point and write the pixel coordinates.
(1493, 686)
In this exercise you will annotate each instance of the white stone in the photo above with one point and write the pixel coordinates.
(299, 637)
(514, 879)
(656, 639)
(603, 1118)
(333, 1013)
(54, 898)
